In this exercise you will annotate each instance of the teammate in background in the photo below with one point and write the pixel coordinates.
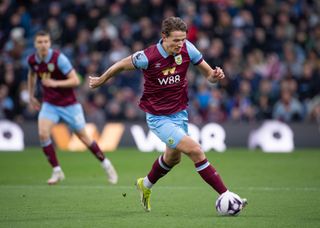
(58, 78)
(165, 100)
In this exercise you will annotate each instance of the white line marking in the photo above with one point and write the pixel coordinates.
(264, 189)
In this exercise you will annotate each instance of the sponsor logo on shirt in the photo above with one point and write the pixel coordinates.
(45, 75)
(170, 79)
(170, 70)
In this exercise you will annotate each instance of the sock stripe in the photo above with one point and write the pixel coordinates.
(45, 143)
(147, 183)
(204, 161)
(202, 167)
(162, 164)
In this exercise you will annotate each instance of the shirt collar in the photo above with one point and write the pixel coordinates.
(161, 49)
(47, 58)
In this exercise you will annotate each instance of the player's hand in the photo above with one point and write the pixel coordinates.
(217, 74)
(49, 82)
(95, 82)
(35, 103)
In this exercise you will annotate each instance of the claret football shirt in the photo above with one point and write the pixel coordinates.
(56, 66)
(165, 84)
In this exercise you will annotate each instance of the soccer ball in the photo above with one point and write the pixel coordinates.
(229, 203)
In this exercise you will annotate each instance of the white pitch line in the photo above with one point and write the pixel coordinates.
(264, 189)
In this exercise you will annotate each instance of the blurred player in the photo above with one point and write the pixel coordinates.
(165, 100)
(58, 78)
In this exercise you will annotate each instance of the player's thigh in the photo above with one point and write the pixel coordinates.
(48, 116)
(44, 128)
(73, 116)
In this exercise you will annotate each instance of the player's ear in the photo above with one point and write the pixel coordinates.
(163, 35)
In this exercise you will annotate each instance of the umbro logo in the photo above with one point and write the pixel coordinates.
(157, 65)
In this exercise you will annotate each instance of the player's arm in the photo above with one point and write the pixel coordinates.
(71, 81)
(32, 79)
(213, 75)
(122, 65)
(66, 68)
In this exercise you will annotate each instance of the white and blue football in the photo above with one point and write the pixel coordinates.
(229, 203)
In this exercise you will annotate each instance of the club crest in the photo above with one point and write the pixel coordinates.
(178, 59)
(170, 141)
(51, 67)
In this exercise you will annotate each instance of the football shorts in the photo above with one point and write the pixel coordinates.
(169, 128)
(72, 115)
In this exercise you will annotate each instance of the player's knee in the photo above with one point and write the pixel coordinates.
(195, 150)
(174, 161)
(196, 154)
(44, 136)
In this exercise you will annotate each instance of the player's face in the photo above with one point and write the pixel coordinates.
(174, 42)
(42, 44)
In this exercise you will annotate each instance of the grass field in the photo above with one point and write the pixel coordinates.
(283, 190)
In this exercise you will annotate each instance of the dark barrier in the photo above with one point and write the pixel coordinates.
(114, 135)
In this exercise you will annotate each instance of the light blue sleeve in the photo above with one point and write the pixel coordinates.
(194, 53)
(140, 60)
(64, 64)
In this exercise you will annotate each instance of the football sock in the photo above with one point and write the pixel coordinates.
(50, 153)
(96, 151)
(57, 169)
(159, 169)
(210, 175)
(147, 183)
(106, 163)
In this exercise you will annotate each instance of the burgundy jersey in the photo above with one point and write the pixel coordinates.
(55, 66)
(165, 83)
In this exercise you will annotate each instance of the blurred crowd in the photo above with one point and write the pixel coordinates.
(268, 49)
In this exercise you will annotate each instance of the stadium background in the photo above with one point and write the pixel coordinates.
(268, 49)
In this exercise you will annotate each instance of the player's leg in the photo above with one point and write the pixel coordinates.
(160, 168)
(73, 115)
(47, 118)
(170, 129)
(208, 173)
(96, 151)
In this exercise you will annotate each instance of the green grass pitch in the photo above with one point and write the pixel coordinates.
(283, 190)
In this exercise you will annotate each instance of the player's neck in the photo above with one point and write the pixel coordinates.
(42, 55)
(166, 49)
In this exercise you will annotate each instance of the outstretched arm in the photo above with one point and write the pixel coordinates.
(213, 75)
(122, 65)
